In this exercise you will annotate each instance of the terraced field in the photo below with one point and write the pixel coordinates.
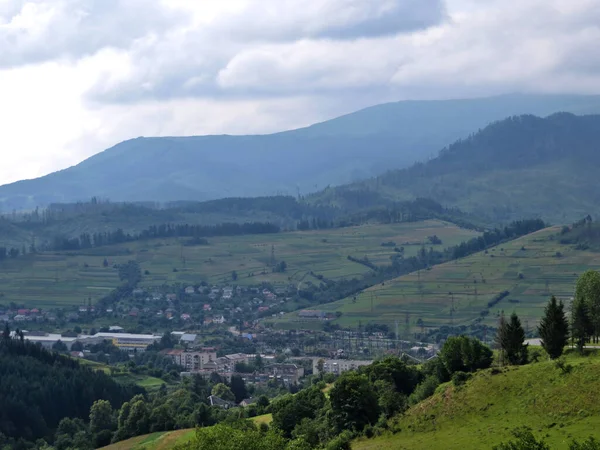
(65, 278)
(530, 268)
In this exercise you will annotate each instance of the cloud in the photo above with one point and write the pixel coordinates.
(289, 20)
(36, 31)
(203, 59)
(77, 76)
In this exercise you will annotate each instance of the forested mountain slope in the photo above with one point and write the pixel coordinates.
(522, 166)
(342, 150)
(39, 388)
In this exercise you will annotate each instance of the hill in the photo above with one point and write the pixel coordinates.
(519, 275)
(557, 406)
(520, 166)
(168, 439)
(338, 151)
(38, 388)
(59, 278)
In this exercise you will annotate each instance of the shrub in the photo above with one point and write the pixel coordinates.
(460, 378)
(465, 354)
(424, 390)
(562, 365)
(525, 440)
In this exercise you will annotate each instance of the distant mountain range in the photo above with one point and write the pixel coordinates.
(349, 148)
(523, 166)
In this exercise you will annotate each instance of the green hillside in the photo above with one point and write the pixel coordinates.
(168, 439)
(557, 406)
(54, 279)
(530, 268)
(520, 167)
(342, 150)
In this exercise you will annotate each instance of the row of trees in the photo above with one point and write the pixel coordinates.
(118, 236)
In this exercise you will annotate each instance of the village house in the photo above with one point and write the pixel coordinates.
(190, 290)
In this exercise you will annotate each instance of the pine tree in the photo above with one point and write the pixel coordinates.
(554, 328)
(501, 340)
(580, 324)
(516, 349)
(510, 340)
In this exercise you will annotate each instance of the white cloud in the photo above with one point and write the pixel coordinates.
(77, 76)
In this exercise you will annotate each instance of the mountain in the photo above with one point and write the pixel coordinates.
(342, 150)
(523, 166)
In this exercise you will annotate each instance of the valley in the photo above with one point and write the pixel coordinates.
(59, 279)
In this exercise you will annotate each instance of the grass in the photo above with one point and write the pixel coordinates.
(528, 268)
(168, 439)
(156, 441)
(147, 382)
(556, 406)
(59, 279)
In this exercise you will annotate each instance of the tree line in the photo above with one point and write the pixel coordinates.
(118, 236)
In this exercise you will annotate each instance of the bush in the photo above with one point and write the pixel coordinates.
(562, 365)
(589, 444)
(525, 440)
(424, 390)
(460, 378)
(465, 354)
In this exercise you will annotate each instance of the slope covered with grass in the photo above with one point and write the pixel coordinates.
(557, 405)
(529, 269)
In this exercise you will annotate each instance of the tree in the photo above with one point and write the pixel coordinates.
(234, 275)
(59, 346)
(222, 391)
(587, 290)
(354, 403)
(580, 324)
(238, 387)
(101, 417)
(554, 328)
(465, 354)
(510, 338)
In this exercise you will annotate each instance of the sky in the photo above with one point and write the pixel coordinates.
(79, 76)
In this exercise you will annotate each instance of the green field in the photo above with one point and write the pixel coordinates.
(556, 406)
(57, 279)
(168, 439)
(529, 268)
(156, 441)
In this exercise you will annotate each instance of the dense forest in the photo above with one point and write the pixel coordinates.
(523, 165)
(38, 388)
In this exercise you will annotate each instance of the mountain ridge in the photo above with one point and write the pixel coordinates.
(342, 150)
(521, 166)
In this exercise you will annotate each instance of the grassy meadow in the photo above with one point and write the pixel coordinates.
(56, 279)
(557, 406)
(530, 268)
(168, 439)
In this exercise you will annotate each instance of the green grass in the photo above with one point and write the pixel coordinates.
(556, 406)
(265, 418)
(155, 441)
(168, 439)
(473, 282)
(58, 279)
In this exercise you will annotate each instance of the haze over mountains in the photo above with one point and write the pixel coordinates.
(343, 150)
(523, 166)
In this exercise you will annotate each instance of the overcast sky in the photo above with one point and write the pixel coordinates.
(78, 76)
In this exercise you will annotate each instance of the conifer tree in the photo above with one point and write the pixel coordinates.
(554, 328)
(580, 324)
(501, 337)
(516, 349)
(510, 339)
